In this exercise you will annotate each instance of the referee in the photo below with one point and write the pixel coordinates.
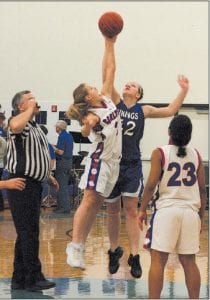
(27, 157)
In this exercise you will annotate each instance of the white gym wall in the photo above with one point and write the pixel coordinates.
(51, 47)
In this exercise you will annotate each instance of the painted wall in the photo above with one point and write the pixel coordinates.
(51, 47)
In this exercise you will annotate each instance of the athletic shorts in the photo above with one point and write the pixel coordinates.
(176, 230)
(129, 183)
(100, 175)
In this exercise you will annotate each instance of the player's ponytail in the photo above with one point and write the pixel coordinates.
(141, 93)
(181, 152)
(180, 133)
(79, 109)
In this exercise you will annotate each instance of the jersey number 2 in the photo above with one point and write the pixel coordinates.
(190, 178)
(129, 131)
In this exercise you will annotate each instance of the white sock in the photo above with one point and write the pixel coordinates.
(76, 245)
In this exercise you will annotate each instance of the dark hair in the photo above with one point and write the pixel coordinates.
(17, 99)
(2, 115)
(79, 109)
(180, 132)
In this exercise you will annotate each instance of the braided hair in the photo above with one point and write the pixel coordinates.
(180, 133)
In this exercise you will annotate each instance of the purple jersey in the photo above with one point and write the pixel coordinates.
(133, 129)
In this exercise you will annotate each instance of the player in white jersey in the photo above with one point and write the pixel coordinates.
(172, 192)
(102, 164)
(101, 122)
(179, 214)
(110, 124)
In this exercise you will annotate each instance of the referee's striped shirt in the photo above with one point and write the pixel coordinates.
(28, 152)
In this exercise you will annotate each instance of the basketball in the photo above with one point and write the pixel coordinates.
(110, 24)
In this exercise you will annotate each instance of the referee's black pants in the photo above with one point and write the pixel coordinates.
(25, 208)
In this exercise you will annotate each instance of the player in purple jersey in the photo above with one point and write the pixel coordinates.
(129, 183)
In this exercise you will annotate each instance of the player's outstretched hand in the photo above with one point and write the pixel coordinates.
(183, 81)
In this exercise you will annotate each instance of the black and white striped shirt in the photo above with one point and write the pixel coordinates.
(28, 152)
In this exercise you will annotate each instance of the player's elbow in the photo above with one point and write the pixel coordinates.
(171, 111)
(173, 108)
(15, 127)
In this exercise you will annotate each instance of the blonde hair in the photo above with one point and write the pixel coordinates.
(79, 109)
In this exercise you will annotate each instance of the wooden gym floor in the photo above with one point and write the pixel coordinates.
(95, 281)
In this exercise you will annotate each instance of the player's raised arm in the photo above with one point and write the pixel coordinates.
(108, 67)
(174, 106)
(110, 25)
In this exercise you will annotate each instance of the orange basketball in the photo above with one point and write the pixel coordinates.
(110, 24)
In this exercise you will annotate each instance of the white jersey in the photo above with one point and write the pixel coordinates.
(179, 185)
(107, 142)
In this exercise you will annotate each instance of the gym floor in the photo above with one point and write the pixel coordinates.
(95, 281)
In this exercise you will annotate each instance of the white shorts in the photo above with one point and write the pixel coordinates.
(176, 230)
(100, 175)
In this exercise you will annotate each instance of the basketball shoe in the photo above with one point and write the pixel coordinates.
(75, 255)
(134, 263)
(114, 259)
